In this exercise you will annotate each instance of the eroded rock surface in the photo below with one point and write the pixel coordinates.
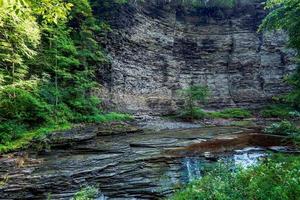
(157, 47)
(141, 165)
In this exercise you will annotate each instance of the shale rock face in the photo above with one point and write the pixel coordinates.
(124, 166)
(158, 47)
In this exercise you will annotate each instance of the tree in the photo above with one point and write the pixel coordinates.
(19, 36)
(48, 57)
(192, 96)
(285, 15)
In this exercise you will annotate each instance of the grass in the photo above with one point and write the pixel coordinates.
(241, 123)
(26, 138)
(275, 179)
(87, 193)
(210, 3)
(116, 117)
(109, 117)
(277, 111)
(192, 114)
(228, 113)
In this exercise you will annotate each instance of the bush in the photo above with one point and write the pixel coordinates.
(280, 111)
(294, 114)
(231, 113)
(10, 131)
(22, 106)
(284, 128)
(87, 193)
(192, 96)
(276, 179)
(192, 114)
(20, 109)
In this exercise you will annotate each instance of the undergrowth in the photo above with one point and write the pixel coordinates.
(230, 113)
(275, 179)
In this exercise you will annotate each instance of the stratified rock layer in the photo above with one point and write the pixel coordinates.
(134, 166)
(158, 47)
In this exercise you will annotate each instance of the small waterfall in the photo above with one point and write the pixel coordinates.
(193, 168)
(101, 197)
(248, 159)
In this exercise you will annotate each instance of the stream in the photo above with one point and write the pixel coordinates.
(148, 164)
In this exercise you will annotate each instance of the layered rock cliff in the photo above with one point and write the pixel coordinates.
(158, 47)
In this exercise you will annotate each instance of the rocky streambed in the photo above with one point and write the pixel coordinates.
(126, 162)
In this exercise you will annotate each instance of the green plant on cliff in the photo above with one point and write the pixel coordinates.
(87, 193)
(284, 15)
(192, 96)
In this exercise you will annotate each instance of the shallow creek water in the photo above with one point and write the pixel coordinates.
(147, 165)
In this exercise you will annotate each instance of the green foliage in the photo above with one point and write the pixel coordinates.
(116, 117)
(24, 138)
(276, 179)
(285, 128)
(19, 36)
(23, 106)
(209, 3)
(49, 54)
(10, 130)
(87, 193)
(242, 123)
(293, 98)
(231, 113)
(194, 93)
(192, 114)
(285, 15)
(192, 96)
(109, 117)
(281, 111)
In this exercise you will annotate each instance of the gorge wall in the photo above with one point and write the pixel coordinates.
(158, 47)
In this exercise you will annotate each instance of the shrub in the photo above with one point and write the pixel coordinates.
(192, 96)
(22, 106)
(294, 114)
(87, 193)
(280, 111)
(276, 179)
(285, 128)
(192, 114)
(10, 130)
(231, 113)
(20, 109)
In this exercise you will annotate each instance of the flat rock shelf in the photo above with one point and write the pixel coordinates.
(130, 165)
